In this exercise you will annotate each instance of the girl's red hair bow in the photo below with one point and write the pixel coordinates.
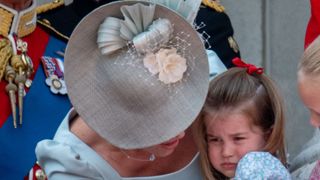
(250, 67)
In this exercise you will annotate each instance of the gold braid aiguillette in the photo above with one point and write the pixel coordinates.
(11, 89)
(23, 47)
(20, 79)
(5, 54)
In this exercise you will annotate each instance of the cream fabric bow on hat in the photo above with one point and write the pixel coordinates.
(146, 36)
(115, 33)
(186, 8)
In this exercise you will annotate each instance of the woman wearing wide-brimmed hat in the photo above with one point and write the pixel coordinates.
(137, 75)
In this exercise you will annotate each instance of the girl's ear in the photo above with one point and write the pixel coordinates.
(267, 133)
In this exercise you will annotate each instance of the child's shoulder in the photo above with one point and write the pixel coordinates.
(261, 165)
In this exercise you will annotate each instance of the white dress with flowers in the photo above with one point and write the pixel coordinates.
(261, 166)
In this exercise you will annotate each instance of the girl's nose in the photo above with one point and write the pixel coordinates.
(181, 135)
(227, 150)
(315, 120)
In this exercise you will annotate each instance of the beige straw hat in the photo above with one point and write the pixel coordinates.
(122, 99)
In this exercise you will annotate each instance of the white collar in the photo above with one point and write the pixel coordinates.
(20, 23)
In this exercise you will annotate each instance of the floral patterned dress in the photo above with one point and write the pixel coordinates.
(261, 166)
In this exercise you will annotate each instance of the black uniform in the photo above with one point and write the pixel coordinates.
(217, 25)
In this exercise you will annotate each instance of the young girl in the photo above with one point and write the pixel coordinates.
(243, 113)
(307, 164)
(309, 81)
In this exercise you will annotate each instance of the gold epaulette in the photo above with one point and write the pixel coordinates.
(48, 6)
(16, 22)
(213, 4)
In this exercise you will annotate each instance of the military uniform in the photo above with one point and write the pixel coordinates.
(219, 28)
(211, 19)
(42, 110)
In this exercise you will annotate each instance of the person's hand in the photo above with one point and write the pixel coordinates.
(17, 4)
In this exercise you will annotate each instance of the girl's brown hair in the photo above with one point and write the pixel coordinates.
(257, 96)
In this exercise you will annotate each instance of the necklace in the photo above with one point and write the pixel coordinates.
(152, 157)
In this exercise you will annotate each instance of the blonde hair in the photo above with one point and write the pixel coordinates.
(310, 62)
(257, 96)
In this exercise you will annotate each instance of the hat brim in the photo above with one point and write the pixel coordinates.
(125, 104)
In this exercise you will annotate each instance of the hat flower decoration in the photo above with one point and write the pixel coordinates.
(147, 37)
(137, 72)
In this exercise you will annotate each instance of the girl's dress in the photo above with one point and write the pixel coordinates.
(261, 166)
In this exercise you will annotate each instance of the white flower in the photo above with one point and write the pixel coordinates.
(56, 85)
(151, 63)
(167, 63)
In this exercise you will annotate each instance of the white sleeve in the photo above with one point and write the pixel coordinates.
(59, 161)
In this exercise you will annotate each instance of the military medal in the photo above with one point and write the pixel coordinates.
(57, 85)
(54, 72)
